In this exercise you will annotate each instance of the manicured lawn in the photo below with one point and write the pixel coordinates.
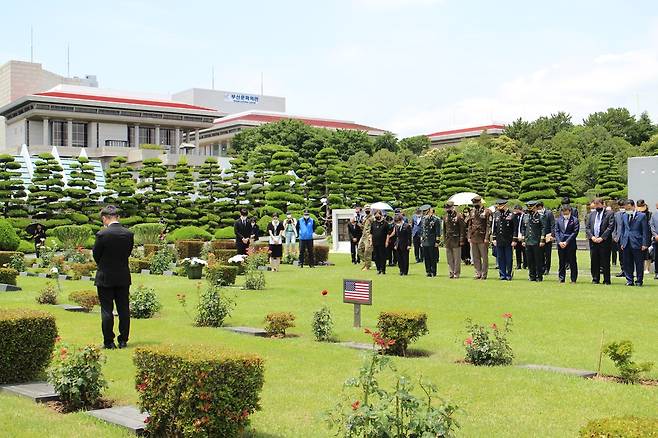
(553, 324)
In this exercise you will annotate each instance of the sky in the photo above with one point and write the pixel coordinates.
(408, 66)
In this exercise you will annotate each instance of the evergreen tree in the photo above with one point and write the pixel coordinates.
(500, 183)
(12, 190)
(81, 189)
(211, 188)
(478, 178)
(281, 195)
(120, 187)
(455, 177)
(154, 196)
(181, 189)
(431, 186)
(557, 175)
(609, 184)
(47, 189)
(535, 184)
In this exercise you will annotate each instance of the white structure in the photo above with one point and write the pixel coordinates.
(454, 136)
(643, 179)
(230, 102)
(340, 237)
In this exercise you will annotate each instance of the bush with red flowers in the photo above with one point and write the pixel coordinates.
(197, 391)
(489, 345)
(370, 410)
(403, 327)
(323, 323)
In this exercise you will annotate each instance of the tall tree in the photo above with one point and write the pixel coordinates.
(455, 177)
(181, 190)
(81, 189)
(619, 122)
(557, 174)
(610, 185)
(47, 189)
(12, 190)
(385, 141)
(535, 184)
(417, 144)
(120, 187)
(500, 183)
(154, 196)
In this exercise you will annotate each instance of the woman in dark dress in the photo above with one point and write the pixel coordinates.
(39, 236)
(275, 233)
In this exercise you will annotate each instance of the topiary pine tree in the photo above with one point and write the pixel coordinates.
(281, 195)
(455, 177)
(609, 184)
(500, 183)
(557, 175)
(431, 184)
(47, 189)
(181, 189)
(535, 183)
(120, 187)
(211, 189)
(81, 189)
(12, 190)
(154, 196)
(477, 178)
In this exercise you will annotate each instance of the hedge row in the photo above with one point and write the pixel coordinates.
(197, 391)
(626, 427)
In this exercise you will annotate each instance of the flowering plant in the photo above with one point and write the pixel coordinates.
(194, 262)
(489, 345)
(323, 323)
(397, 412)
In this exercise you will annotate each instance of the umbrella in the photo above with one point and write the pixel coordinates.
(463, 198)
(31, 229)
(381, 206)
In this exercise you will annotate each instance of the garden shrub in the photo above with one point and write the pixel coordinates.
(189, 248)
(51, 224)
(489, 347)
(618, 427)
(225, 233)
(254, 280)
(403, 327)
(26, 247)
(8, 276)
(161, 260)
(323, 324)
(319, 230)
(621, 353)
(222, 255)
(78, 218)
(77, 376)
(276, 323)
(82, 269)
(189, 233)
(16, 260)
(224, 244)
(136, 265)
(221, 275)
(144, 302)
(85, 298)
(321, 253)
(9, 240)
(7, 256)
(147, 234)
(72, 236)
(213, 308)
(150, 249)
(27, 338)
(197, 391)
(47, 295)
(77, 255)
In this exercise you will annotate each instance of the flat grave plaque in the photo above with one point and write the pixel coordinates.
(128, 417)
(40, 392)
(570, 371)
(253, 331)
(9, 288)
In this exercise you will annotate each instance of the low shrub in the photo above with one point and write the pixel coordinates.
(150, 249)
(147, 234)
(136, 265)
(82, 269)
(626, 427)
(26, 247)
(254, 280)
(188, 233)
(323, 324)
(85, 298)
(72, 236)
(9, 240)
(489, 347)
(7, 256)
(402, 327)
(213, 308)
(321, 253)
(277, 323)
(621, 353)
(197, 391)
(225, 233)
(189, 248)
(319, 230)
(77, 376)
(17, 262)
(221, 275)
(47, 295)
(224, 244)
(256, 258)
(27, 338)
(144, 302)
(8, 276)
(77, 255)
(162, 260)
(222, 255)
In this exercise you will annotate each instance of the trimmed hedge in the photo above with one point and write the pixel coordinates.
(27, 338)
(150, 249)
(225, 233)
(5, 257)
(147, 234)
(85, 298)
(8, 276)
(26, 247)
(221, 275)
(627, 427)
(136, 265)
(222, 255)
(72, 236)
(404, 327)
(9, 240)
(197, 391)
(223, 244)
(189, 248)
(321, 253)
(189, 233)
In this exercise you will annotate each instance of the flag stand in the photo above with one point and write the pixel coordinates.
(357, 292)
(357, 315)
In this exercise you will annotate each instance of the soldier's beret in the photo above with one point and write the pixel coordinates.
(425, 207)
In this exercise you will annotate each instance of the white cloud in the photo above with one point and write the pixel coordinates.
(397, 3)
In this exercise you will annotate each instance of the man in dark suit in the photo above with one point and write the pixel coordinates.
(616, 234)
(599, 228)
(112, 248)
(416, 225)
(354, 231)
(548, 247)
(243, 231)
(634, 240)
(565, 232)
(519, 250)
(402, 243)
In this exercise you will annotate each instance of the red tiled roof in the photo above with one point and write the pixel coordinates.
(268, 118)
(164, 104)
(476, 129)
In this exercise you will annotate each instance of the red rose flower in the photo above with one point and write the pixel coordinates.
(494, 326)
(356, 405)
(468, 341)
(507, 315)
(147, 420)
(324, 292)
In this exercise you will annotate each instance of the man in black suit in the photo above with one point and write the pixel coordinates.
(403, 243)
(550, 225)
(243, 231)
(355, 232)
(599, 227)
(112, 248)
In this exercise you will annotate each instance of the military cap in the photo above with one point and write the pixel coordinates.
(397, 210)
(531, 203)
(425, 207)
(501, 201)
(366, 206)
(448, 204)
(477, 198)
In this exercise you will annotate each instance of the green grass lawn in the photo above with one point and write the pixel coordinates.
(555, 324)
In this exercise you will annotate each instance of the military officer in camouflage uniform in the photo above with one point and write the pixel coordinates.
(534, 238)
(430, 234)
(479, 232)
(454, 237)
(365, 243)
(503, 235)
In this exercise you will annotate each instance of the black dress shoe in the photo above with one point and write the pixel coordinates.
(621, 274)
(111, 346)
(628, 283)
(595, 282)
(123, 345)
(639, 284)
(655, 277)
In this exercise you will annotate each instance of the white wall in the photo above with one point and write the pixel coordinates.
(15, 135)
(642, 178)
(3, 134)
(112, 131)
(36, 132)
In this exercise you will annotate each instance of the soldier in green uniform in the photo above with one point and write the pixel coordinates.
(365, 243)
(479, 233)
(534, 238)
(454, 236)
(429, 239)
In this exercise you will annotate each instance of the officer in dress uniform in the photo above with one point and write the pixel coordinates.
(479, 233)
(454, 237)
(519, 250)
(548, 235)
(503, 235)
(534, 239)
(429, 239)
(365, 243)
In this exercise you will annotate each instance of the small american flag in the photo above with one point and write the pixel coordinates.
(357, 291)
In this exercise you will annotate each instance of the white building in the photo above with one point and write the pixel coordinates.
(454, 136)
(230, 102)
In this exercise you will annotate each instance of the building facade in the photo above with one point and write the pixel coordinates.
(230, 102)
(642, 178)
(447, 138)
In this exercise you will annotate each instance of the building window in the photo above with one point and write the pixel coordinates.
(59, 133)
(167, 136)
(79, 135)
(146, 135)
